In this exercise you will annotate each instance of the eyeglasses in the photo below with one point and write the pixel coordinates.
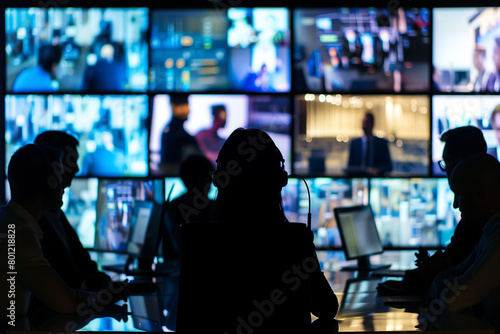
(442, 165)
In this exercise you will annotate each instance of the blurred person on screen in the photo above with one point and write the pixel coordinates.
(369, 155)
(36, 184)
(480, 79)
(176, 143)
(493, 84)
(495, 125)
(107, 74)
(60, 245)
(209, 141)
(41, 77)
(106, 159)
(460, 143)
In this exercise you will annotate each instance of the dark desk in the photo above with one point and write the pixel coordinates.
(360, 309)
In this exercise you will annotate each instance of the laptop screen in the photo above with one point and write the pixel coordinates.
(358, 231)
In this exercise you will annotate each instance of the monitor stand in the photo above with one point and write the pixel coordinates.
(364, 265)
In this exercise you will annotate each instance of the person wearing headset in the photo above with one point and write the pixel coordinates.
(249, 177)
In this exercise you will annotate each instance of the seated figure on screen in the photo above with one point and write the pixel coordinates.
(34, 174)
(209, 141)
(472, 287)
(493, 84)
(495, 125)
(60, 244)
(176, 143)
(460, 143)
(480, 79)
(40, 77)
(250, 176)
(193, 206)
(106, 159)
(369, 155)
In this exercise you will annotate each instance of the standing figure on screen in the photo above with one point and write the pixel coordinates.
(107, 74)
(369, 155)
(60, 244)
(495, 125)
(479, 81)
(209, 141)
(493, 84)
(105, 159)
(39, 79)
(176, 143)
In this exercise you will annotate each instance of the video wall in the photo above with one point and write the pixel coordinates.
(142, 88)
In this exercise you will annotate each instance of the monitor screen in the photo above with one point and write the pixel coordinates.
(329, 129)
(326, 194)
(210, 120)
(358, 231)
(115, 206)
(361, 49)
(241, 49)
(174, 188)
(450, 112)
(466, 46)
(413, 211)
(112, 130)
(145, 227)
(76, 49)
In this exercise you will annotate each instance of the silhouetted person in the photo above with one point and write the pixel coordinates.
(39, 78)
(248, 214)
(193, 206)
(460, 143)
(474, 283)
(209, 141)
(369, 155)
(60, 244)
(176, 143)
(33, 174)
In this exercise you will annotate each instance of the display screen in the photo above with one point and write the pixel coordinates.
(466, 49)
(329, 130)
(76, 49)
(241, 49)
(204, 123)
(112, 129)
(361, 49)
(450, 112)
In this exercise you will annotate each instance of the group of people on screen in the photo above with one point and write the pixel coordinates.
(55, 271)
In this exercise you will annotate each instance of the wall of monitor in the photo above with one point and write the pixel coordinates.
(304, 74)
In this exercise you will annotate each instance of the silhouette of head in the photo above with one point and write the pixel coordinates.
(68, 144)
(219, 114)
(34, 175)
(180, 106)
(460, 143)
(196, 173)
(49, 56)
(367, 123)
(476, 184)
(250, 175)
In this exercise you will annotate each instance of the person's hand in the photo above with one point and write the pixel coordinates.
(119, 290)
(97, 281)
(432, 265)
(421, 256)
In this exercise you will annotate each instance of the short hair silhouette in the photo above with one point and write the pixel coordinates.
(464, 141)
(196, 172)
(179, 99)
(49, 55)
(59, 139)
(29, 170)
(370, 115)
(217, 109)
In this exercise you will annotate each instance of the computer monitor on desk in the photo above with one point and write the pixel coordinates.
(359, 236)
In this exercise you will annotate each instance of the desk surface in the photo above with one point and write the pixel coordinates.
(360, 309)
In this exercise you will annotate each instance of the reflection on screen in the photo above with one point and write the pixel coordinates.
(201, 50)
(76, 49)
(450, 112)
(111, 129)
(211, 119)
(115, 205)
(411, 212)
(361, 49)
(326, 194)
(466, 47)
